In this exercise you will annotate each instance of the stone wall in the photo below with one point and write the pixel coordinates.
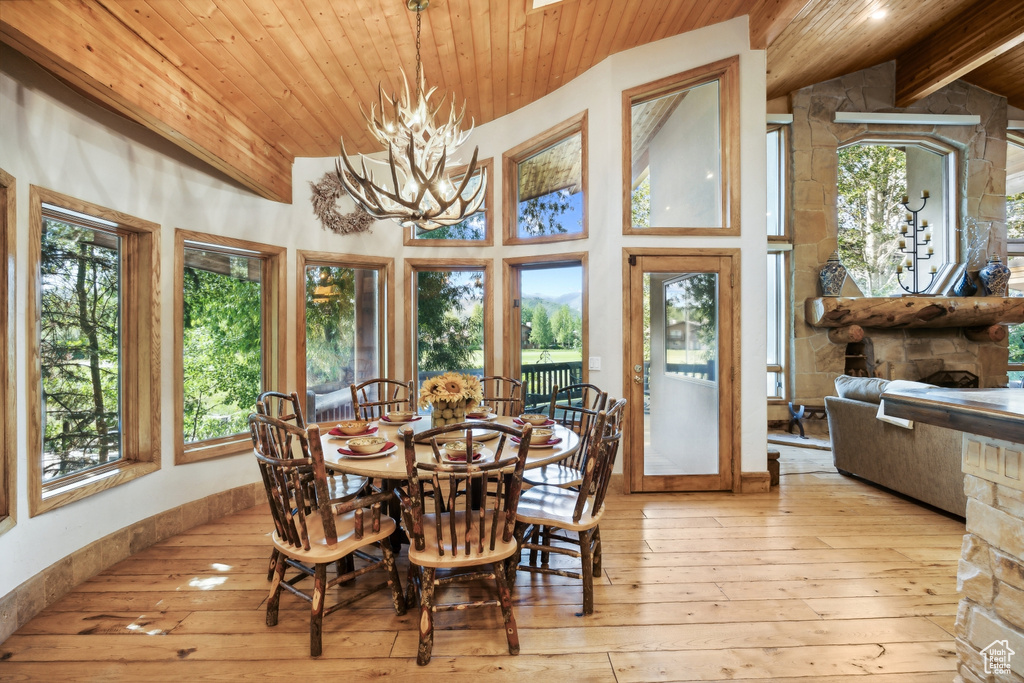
(981, 173)
(990, 577)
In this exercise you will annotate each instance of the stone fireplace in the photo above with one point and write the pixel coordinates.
(980, 171)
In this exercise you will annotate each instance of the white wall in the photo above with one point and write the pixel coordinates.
(53, 138)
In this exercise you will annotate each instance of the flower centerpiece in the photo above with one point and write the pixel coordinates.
(449, 396)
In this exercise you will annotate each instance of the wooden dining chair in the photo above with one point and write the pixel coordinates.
(287, 409)
(559, 512)
(312, 534)
(460, 517)
(575, 407)
(372, 399)
(503, 395)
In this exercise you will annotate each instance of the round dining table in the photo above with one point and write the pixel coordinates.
(392, 466)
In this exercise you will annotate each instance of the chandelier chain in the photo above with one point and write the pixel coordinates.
(419, 19)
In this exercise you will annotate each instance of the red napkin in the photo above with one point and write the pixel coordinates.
(337, 432)
(462, 458)
(345, 451)
(550, 442)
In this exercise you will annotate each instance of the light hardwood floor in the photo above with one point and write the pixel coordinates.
(824, 579)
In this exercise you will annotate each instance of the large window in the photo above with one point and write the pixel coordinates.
(1015, 250)
(778, 271)
(450, 320)
(476, 229)
(228, 319)
(545, 185)
(8, 442)
(680, 157)
(878, 180)
(545, 323)
(344, 324)
(94, 371)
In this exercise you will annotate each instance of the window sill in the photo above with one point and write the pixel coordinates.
(212, 448)
(59, 494)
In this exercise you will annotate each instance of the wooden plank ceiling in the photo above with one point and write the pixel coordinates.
(248, 85)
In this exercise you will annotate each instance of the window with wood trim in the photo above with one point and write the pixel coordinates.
(546, 321)
(449, 317)
(94, 365)
(1015, 249)
(345, 317)
(680, 153)
(476, 229)
(228, 314)
(544, 184)
(779, 246)
(8, 441)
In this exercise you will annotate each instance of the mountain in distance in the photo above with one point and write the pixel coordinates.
(551, 304)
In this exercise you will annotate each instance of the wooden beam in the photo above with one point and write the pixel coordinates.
(770, 18)
(977, 35)
(913, 311)
(83, 43)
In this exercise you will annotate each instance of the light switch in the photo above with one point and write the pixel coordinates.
(595, 362)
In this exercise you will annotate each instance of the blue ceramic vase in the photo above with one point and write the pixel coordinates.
(995, 276)
(965, 285)
(832, 275)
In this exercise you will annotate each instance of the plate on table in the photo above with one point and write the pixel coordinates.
(341, 435)
(461, 457)
(479, 434)
(489, 417)
(400, 422)
(546, 423)
(389, 448)
(550, 443)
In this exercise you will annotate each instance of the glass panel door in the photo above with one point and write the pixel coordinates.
(680, 344)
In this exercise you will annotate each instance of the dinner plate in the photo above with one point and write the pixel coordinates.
(388, 449)
(341, 435)
(547, 423)
(460, 435)
(550, 443)
(488, 418)
(400, 422)
(460, 458)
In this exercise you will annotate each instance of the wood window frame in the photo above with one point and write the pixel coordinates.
(510, 179)
(8, 353)
(785, 182)
(413, 266)
(140, 357)
(271, 346)
(386, 306)
(510, 287)
(487, 167)
(786, 315)
(726, 72)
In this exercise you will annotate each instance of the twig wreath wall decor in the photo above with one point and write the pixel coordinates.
(326, 194)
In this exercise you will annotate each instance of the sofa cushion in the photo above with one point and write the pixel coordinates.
(867, 389)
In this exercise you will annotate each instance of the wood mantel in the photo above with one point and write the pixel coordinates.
(913, 311)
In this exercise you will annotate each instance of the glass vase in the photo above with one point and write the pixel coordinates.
(448, 412)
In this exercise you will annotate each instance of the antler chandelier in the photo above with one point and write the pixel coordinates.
(420, 192)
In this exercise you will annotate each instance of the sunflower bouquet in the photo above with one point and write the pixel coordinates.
(450, 395)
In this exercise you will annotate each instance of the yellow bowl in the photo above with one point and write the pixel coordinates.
(353, 427)
(540, 436)
(401, 415)
(365, 445)
(534, 418)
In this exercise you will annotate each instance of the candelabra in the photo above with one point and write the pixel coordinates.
(913, 239)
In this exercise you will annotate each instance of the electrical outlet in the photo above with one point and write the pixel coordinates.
(595, 363)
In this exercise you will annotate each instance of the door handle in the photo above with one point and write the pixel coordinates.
(637, 379)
